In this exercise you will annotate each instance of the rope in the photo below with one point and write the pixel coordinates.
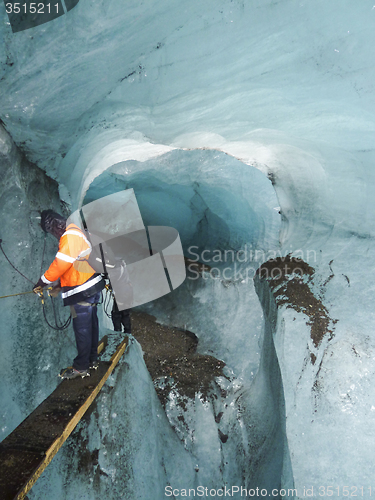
(12, 264)
(57, 327)
(15, 294)
(44, 249)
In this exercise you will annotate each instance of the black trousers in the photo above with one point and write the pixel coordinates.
(86, 330)
(120, 319)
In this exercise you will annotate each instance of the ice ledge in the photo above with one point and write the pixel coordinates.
(325, 377)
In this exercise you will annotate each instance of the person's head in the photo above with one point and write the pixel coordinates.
(53, 223)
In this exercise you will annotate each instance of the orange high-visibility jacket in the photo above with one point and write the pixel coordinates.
(73, 246)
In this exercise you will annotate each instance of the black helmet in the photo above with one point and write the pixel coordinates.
(53, 223)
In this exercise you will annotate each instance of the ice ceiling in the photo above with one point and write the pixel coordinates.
(118, 93)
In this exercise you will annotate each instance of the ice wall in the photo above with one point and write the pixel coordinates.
(32, 352)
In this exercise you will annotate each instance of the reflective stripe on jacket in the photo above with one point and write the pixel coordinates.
(73, 245)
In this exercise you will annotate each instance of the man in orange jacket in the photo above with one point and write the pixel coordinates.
(80, 289)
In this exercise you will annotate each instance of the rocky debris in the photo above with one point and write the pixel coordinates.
(171, 355)
(290, 280)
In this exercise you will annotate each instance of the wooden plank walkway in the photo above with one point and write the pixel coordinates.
(27, 451)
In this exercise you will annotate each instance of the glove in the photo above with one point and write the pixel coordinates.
(38, 288)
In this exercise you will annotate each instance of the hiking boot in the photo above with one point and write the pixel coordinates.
(94, 365)
(71, 373)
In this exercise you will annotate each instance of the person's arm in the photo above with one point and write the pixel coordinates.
(62, 262)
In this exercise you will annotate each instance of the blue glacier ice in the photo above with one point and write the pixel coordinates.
(249, 127)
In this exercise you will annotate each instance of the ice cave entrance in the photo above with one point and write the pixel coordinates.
(215, 201)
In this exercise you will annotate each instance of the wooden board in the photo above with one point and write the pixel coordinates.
(102, 344)
(27, 451)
